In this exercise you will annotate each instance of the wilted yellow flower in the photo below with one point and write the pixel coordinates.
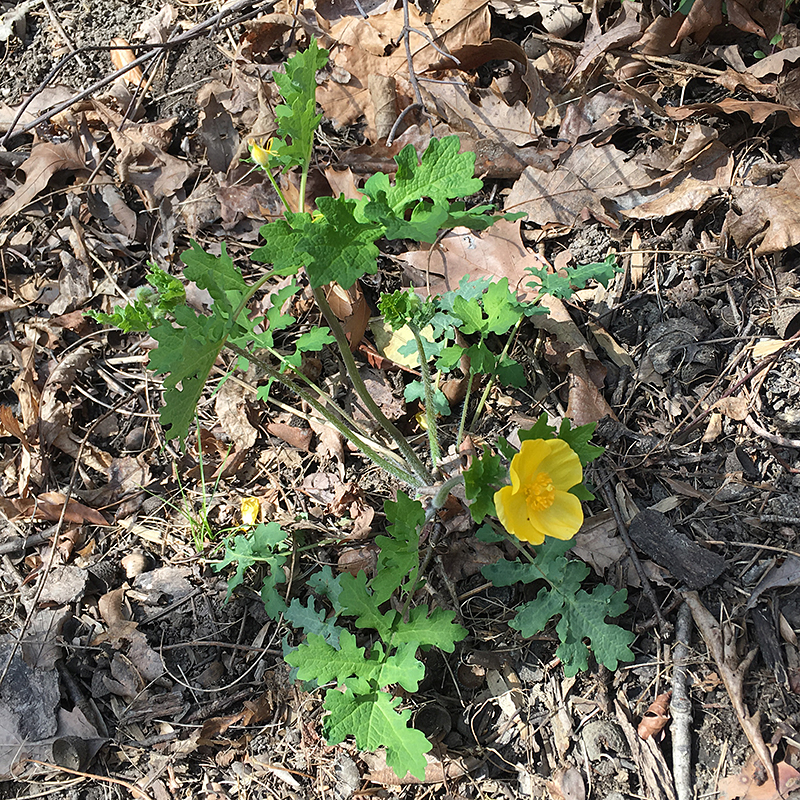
(261, 154)
(251, 510)
(538, 503)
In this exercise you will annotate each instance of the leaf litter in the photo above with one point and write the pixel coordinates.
(666, 141)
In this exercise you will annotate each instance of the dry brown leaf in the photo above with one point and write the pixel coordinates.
(361, 45)
(749, 784)
(655, 719)
(292, 435)
(757, 110)
(703, 17)
(46, 160)
(495, 253)
(231, 406)
(769, 220)
(352, 310)
(566, 784)
(122, 55)
(625, 30)
(733, 407)
(481, 112)
(579, 185)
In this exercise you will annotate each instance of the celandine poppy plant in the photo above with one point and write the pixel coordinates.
(538, 502)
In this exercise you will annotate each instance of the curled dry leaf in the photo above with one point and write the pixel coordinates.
(121, 57)
(655, 719)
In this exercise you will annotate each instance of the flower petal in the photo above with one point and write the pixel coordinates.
(562, 520)
(563, 466)
(525, 464)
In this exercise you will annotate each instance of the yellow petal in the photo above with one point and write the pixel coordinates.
(562, 520)
(259, 155)
(251, 510)
(512, 511)
(563, 466)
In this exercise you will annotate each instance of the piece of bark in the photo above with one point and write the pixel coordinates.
(771, 651)
(686, 560)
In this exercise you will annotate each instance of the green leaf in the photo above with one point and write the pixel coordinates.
(247, 550)
(325, 584)
(470, 314)
(319, 661)
(185, 355)
(307, 619)
(438, 629)
(217, 275)
(403, 667)
(582, 615)
(481, 481)
(416, 391)
(510, 372)
(283, 239)
(357, 601)
(564, 286)
(340, 248)
(503, 311)
(398, 561)
(375, 721)
(450, 357)
(487, 534)
(406, 307)
(540, 430)
(297, 117)
(443, 174)
(578, 440)
(149, 304)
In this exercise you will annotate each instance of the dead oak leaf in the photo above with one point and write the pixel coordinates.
(46, 160)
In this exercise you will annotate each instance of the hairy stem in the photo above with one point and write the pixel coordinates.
(430, 411)
(493, 378)
(412, 459)
(347, 432)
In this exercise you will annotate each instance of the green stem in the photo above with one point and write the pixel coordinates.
(430, 411)
(462, 422)
(348, 433)
(412, 459)
(278, 190)
(492, 378)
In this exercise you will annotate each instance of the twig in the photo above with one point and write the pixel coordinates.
(732, 671)
(682, 431)
(412, 76)
(681, 707)
(403, 114)
(62, 33)
(135, 791)
(664, 627)
(781, 441)
(152, 50)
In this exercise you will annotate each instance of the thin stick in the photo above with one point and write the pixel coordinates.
(412, 76)
(681, 707)
(663, 626)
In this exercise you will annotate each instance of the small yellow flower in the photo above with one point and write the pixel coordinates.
(261, 154)
(251, 511)
(538, 503)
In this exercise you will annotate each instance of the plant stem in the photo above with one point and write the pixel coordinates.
(412, 459)
(348, 433)
(430, 411)
(490, 384)
(464, 408)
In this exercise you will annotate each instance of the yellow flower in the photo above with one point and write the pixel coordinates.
(251, 511)
(261, 154)
(538, 504)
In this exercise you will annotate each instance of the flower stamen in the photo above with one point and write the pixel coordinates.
(541, 493)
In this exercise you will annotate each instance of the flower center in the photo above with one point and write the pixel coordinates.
(540, 493)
